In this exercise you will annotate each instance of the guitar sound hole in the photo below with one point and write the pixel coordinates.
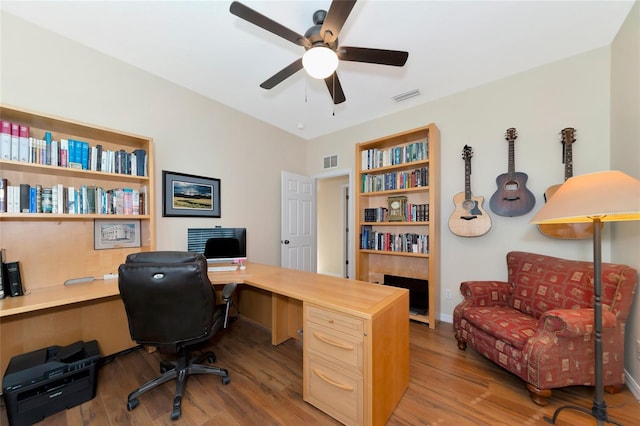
(511, 186)
(468, 205)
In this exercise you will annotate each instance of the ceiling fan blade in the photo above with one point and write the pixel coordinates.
(334, 83)
(336, 16)
(250, 15)
(281, 75)
(395, 58)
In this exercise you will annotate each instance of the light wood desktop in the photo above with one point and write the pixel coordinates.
(355, 334)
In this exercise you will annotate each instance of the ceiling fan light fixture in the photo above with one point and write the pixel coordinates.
(320, 62)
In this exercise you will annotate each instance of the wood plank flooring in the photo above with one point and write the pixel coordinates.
(447, 387)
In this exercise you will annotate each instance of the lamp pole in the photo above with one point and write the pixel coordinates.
(599, 409)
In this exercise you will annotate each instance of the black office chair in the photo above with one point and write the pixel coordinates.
(171, 305)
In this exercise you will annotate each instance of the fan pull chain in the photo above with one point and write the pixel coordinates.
(333, 96)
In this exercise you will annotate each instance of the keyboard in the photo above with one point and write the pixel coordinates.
(222, 268)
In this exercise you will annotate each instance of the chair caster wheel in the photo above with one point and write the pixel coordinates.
(132, 403)
(166, 366)
(175, 414)
(226, 380)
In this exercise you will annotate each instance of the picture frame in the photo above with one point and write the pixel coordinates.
(113, 234)
(186, 195)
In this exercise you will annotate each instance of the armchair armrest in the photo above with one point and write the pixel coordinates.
(574, 322)
(486, 293)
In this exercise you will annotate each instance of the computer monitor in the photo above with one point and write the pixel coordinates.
(219, 245)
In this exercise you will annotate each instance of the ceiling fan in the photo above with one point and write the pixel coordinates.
(321, 38)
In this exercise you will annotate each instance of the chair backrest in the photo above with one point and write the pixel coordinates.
(544, 282)
(168, 297)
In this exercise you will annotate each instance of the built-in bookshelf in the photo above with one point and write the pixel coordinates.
(110, 182)
(397, 207)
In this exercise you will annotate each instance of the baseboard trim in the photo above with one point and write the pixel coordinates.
(632, 385)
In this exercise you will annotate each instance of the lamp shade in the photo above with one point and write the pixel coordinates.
(611, 196)
(320, 62)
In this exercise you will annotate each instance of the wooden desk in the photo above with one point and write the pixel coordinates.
(355, 344)
(355, 338)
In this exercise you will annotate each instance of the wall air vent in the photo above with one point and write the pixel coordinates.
(406, 95)
(330, 161)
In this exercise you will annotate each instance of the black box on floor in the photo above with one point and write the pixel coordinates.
(43, 382)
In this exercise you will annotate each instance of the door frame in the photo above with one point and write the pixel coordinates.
(353, 232)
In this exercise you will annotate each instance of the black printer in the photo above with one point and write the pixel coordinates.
(43, 382)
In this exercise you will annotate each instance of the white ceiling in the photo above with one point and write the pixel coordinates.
(453, 45)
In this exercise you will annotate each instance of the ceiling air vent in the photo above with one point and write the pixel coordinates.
(406, 95)
(330, 161)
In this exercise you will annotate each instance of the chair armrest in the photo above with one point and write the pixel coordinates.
(227, 291)
(574, 322)
(486, 293)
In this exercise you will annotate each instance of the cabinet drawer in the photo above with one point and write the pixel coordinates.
(334, 390)
(335, 321)
(342, 347)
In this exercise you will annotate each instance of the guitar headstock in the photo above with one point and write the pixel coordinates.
(511, 134)
(568, 135)
(467, 152)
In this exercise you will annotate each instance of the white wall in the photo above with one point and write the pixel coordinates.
(625, 156)
(538, 103)
(44, 72)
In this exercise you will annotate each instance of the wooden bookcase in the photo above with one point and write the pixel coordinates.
(371, 263)
(52, 248)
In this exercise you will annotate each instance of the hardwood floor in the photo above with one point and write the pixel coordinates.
(447, 387)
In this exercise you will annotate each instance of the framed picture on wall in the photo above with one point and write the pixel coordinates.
(189, 195)
(111, 234)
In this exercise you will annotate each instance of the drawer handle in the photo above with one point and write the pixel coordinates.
(332, 342)
(331, 382)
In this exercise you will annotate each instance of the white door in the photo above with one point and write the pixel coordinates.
(298, 223)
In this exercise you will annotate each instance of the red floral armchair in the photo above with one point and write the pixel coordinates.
(539, 324)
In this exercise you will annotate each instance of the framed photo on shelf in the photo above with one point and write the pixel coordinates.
(189, 195)
(111, 234)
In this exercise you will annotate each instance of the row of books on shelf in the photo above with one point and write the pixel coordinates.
(16, 144)
(371, 239)
(412, 213)
(10, 278)
(414, 151)
(86, 199)
(395, 180)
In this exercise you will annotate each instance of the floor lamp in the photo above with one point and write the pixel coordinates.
(609, 196)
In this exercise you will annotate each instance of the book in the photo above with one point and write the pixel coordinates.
(5, 140)
(64, 153)
(47, 147)
(84, 154)
(14, 280)
(141, 162)
(3, 195)
(25, 198)
(15, 141)
(99, 157)
(2, 278)
(23, 140)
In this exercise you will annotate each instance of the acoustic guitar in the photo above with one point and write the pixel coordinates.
(512, 197)
(568, 231)
(469, 218)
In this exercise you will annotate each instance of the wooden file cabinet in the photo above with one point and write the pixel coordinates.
(334, 363)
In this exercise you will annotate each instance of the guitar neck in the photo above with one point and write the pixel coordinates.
(467, 179)
(568, 161)
(512, 160)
